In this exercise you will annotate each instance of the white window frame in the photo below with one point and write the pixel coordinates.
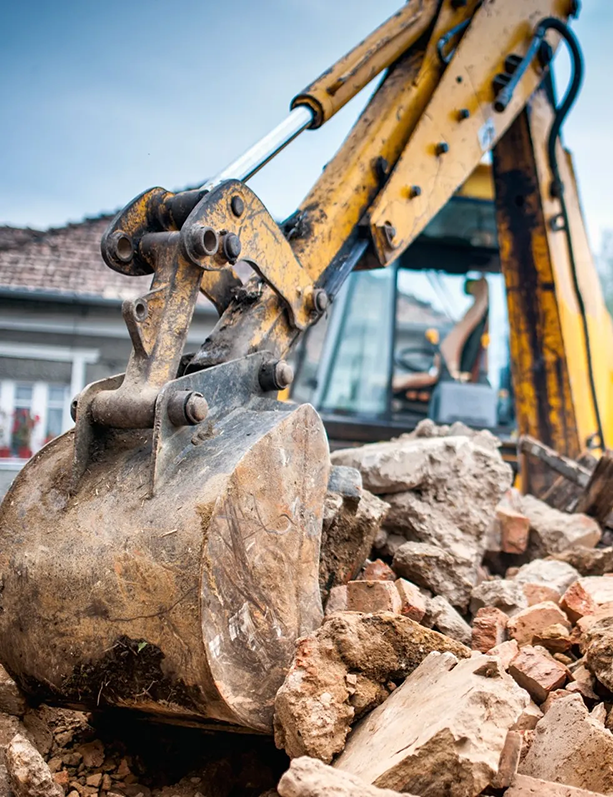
(79, 359)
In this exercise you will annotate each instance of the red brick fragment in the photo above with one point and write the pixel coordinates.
(489, 628)
(514, 530)
(377, 571)
(531, 622)
(506, 652)
(537, 672)
(413, 603)
(577, 602)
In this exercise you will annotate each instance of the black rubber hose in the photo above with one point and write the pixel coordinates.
(557, 187)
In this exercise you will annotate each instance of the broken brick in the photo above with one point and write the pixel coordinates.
(506, 652)
(530, 622)
(377, 571)
(539, 593)
(514, 530)
(577, 602)
(373, 596)
(571, 747)
(489, 628)
(537, 672)
(413, 603)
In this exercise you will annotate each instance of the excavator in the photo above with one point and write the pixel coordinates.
(162, 556)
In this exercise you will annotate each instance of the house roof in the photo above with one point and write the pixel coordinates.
(63, 261)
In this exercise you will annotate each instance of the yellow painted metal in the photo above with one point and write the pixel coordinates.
(599, 321)
(335, 206)
(544, 406)
(351, 181)
(350, 74)
(497, 30)
(264, 246)
(479, 185)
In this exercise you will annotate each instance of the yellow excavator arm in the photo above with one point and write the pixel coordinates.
(460, 75)
(187, 494)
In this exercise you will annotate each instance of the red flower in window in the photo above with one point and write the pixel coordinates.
(23, 423)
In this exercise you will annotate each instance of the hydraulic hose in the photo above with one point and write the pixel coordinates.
(557, 186)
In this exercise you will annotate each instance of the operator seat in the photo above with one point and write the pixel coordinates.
(457, 355)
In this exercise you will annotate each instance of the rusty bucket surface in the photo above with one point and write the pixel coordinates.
(184, 601)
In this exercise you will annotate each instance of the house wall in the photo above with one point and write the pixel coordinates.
(49, 350)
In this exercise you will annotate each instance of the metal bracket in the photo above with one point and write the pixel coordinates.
(257, 239)
(228, 387)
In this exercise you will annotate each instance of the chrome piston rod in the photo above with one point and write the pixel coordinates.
(265, 149)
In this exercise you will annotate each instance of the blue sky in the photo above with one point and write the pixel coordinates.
(102, 100)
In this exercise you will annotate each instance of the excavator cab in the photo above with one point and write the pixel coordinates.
(426, 337)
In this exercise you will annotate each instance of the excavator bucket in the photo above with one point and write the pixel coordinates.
(178, 574)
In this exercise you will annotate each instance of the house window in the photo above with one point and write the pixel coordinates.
(24, 421)
(57, 396)
(31, 414)
(35, 396)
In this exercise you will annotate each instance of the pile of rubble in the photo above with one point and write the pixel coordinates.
(472, 653)
(466, 649)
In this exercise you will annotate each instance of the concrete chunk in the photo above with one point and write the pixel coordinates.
(347, 537)
(445, 619)
(442, 493)
(308, 777)
(572, 748)
(342, 671)
(504, 594)
(548, 573)
(441, 732)
(28, 773)
(588, 561)
(435, 569)
(598, 647)
(523, 786)
(552, 531)
(599, 588)
(405, 463)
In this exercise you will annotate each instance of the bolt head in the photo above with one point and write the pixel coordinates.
(442, 147)
(276, 375)
(414, 191)
(196, 408)
(320, 301)
(237, 205)
(232, 247)
(201, 242)
(284, 374)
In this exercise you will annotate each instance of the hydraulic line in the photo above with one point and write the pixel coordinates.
(557, 186)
